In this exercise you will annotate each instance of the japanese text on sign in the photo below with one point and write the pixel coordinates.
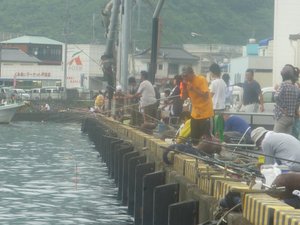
(33, 74)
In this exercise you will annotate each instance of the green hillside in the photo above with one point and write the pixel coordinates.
(218, 21)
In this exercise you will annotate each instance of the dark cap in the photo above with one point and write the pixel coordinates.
(187, 70)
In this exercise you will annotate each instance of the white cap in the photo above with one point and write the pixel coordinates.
(119, 88)
(257, 133)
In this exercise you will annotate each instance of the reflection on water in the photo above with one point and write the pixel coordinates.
(51, 174)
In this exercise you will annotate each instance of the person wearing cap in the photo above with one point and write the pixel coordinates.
(196, 88)
(287, 98)
(279, 145)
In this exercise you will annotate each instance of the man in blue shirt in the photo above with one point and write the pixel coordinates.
(252, 96)
(235, 126)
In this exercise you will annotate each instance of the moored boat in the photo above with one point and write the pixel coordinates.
(7, 111)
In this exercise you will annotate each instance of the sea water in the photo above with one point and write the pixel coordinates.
(50, 173)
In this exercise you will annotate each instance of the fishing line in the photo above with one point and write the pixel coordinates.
(253, 152)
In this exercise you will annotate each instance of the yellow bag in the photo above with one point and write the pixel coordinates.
(184, 132)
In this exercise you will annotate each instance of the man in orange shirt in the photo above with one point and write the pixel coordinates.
(196, 88)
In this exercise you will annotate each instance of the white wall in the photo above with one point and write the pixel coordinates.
(238, 66)
(286, 22)
(241, 64)
(89, 58)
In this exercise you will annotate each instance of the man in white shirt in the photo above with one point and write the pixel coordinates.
(217, 88)
(277, 147)
(146, 93)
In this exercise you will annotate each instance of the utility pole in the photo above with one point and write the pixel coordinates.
(1, 59)
(126, 25)
(66, 33)
(93, 27)
(155, 37)
(108, 59)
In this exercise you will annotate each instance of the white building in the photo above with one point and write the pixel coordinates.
(84, 69)
(257, 57)
(262, 66)
(36, 61)
(286, 23)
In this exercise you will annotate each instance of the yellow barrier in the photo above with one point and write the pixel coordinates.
(284, 217)
(179, 163)
(259, 209)
(206, 183)
(223, 186)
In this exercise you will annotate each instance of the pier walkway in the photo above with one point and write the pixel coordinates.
(186, 192)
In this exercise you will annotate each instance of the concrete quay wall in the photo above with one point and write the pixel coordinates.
(187, 192)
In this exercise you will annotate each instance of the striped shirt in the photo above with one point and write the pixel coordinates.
(287, 100)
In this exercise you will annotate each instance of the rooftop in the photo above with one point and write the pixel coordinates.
(32, 40)
(171, 53)
(17, 55)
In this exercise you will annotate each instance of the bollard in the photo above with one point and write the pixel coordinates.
(126, 159)
(106, 141)
(115, 144)
(106, 147)
(140, 172)
(150, 181)
(124, 148)
(164, 195)
(133, 162)
(120, 161)
(99, 142)
(184, 213)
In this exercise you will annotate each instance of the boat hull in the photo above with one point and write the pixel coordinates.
(7, 112)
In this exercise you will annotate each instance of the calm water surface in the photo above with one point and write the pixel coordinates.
(50, 173)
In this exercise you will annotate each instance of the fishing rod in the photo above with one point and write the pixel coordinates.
(131, 106)
(211, 161)
(239, 150)
(255, 153)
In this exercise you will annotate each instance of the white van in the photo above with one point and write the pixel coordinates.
(269, 101)
(53, 93)
(20, 94)
(45, 93)
(37, 93)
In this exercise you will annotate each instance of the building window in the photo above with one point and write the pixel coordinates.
(173, 69)
(160, 66)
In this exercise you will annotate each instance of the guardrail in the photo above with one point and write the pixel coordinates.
(256, 119)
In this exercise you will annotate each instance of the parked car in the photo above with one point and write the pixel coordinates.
(53, 93)
(45, 93)
(20, 94)
(267, 93)
(269, 101)
(35, 93)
